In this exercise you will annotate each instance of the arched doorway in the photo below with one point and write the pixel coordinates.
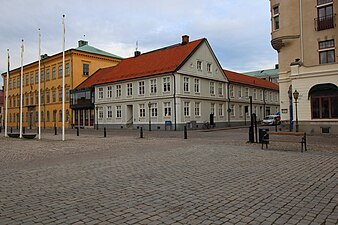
(324, 101)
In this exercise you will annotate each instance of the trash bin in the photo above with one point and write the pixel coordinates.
(261, 133)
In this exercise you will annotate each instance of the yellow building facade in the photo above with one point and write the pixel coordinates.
(80, 63)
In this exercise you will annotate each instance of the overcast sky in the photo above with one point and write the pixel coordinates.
(237, 30)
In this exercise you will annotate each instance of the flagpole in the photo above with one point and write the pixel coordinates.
(22, 50)
(39, 86)
(63, 77)
(7, 81)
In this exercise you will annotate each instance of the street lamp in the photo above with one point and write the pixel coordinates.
(251, 129)
(149, 105)
(295, 96)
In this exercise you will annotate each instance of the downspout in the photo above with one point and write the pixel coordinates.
(301, 31)
(72, 86)
(174, 96)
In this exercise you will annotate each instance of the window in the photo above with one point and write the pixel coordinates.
(326, 52)
(212, 108)
(37, 97)
(142, 111)
(109, 112)
(240, 92)
(60, 115)
(31, 79)
(167, 109)
(53, 73)
(186, 108)
(54, 115)
(129, 89)
(47, 74)
(212, 88)
(60, 95)
(100, 112)
(118, 90)
(261, 95)
(109, 92)
(153, 86)
(67, 69)
(240, 109)
(48, 117)
(197, 85)
(153, 109)
(60, 70)
(42, 97)
(270, 96)
(118, 111)
(231, 91)
(209, 68)
(85, 69)
(27, 79)
(32, 98)
(255, 93)
(199, 65)
(324, 105)
(141, 87)
(325, 17)
(220, 89)
(10, 83)
(100, 93)
(246, 93)
(197, 109)
(54, 95)
(36, 77)
(275, 15)
(27, 99)
(232, 110)
(186, 84)
(67, 93)
(166, 84)
(220, 110)
(48, 96)
(42, 76)
(18, 82)
(14, 83)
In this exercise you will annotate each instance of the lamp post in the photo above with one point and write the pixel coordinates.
(97, 118)
(295, 96)
(251, 129)
(149, 105)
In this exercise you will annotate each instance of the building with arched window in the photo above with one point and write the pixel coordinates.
(305, 35)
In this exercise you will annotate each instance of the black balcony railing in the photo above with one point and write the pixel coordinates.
(325, 22)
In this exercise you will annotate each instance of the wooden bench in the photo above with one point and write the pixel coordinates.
(266, 138)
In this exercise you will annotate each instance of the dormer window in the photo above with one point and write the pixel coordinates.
(209, 68)
(199, 65)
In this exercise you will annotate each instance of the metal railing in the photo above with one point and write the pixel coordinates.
(325, 22)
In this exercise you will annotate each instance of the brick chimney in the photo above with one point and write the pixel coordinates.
(82, 43)
(185, 39)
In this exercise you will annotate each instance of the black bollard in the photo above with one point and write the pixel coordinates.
(55, 130)
(23, 130)
(141, 132)
(77, 131)
(0, 129)
(11, 130)
(104, 132)
(37, 130)
(185, 132)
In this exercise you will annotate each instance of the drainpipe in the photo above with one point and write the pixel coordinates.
(228, 109)
(301, 30)
(174, 96)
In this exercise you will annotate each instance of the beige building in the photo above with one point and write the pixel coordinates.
(305, 35)
(80, 63)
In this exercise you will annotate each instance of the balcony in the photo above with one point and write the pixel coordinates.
(325, 22)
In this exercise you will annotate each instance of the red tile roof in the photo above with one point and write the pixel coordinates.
(248, 80)
(164, 60)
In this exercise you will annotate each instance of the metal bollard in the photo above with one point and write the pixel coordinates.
(11, 130)
(37, 130)
(23, 130)
(141, 132)
(77, 131)
(0, 129)
(104, 132)
(185, 132)
(55, 130)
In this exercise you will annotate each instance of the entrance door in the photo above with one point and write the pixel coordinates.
(130, 114)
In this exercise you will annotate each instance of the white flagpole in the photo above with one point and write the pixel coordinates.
(7, 81)
(39, 86)
(63, 77)
(22, 50)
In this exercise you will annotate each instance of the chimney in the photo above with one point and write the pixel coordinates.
(83, 43)
(277, 66)
(185, 39)
(137, 53)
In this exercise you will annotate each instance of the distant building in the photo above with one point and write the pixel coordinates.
(268, 74)
(80, 63)
(304, 33)
(265, 97)
(2, 115)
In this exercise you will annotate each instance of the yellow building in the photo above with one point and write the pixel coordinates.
(80, 63)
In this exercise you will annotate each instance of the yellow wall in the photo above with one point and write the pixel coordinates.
(75, 59)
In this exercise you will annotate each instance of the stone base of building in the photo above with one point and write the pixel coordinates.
(313, 128)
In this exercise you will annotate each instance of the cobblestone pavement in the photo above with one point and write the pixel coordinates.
(209, 178)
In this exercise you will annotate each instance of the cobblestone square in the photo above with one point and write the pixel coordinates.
(209, 178)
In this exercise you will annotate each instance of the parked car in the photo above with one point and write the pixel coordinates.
(271, 120)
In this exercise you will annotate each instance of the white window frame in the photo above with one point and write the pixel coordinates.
(212, 88)
(109, 91)
(186, 109)
(240, 109)
(100, 113)
(209, 67)
(212, 108)
(231, 91)
(197, 109)
(186, 84)
(233, 110)
(197, 85)
(153, 109)
(142, 110)
(100, 93)
(220, 89)
(199, 65)
(118, 90)
(129, 89)
(153, 86)
(240, 92)
(221, 110)
(246, 92)
(166, 84)
(255, 93)
(109, 112)
(118, 111)
(141, 88)
(167, 109)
